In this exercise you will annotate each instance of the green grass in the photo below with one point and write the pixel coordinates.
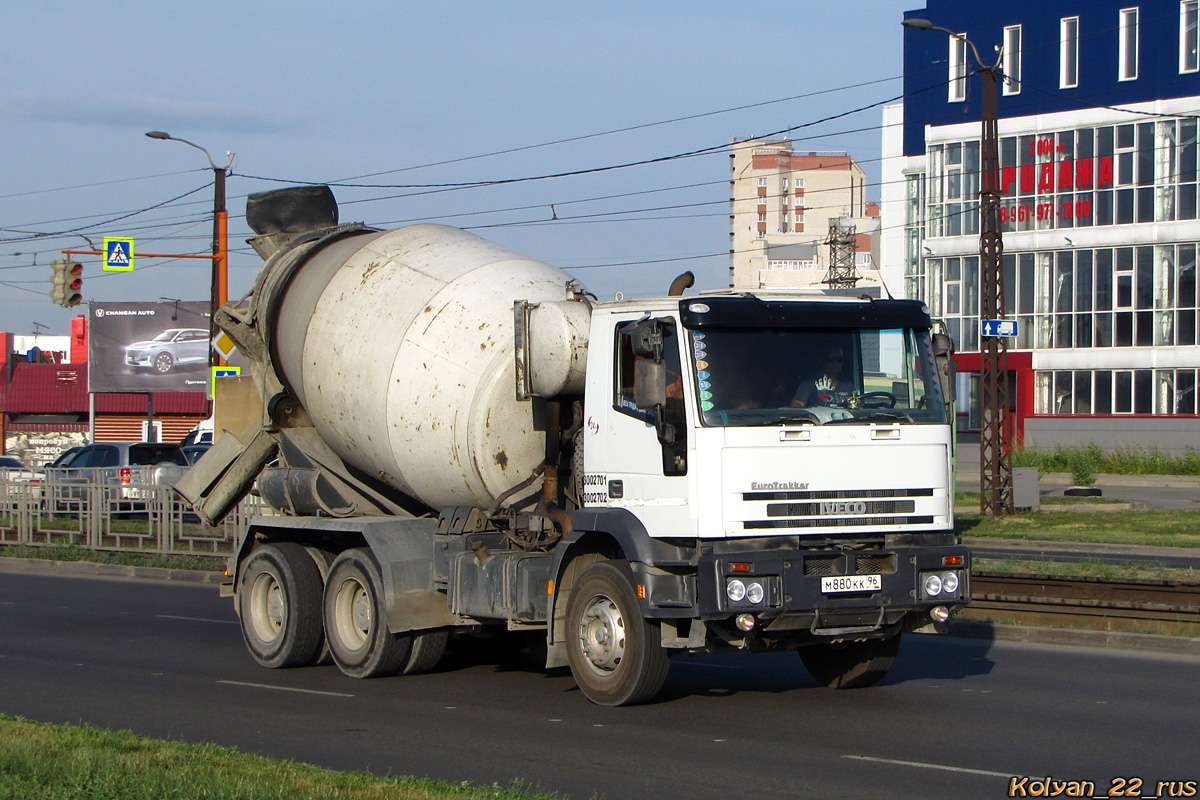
(1091, 460)
(73, 552)
(67, 762)
(1148, 528)
(1128, 571)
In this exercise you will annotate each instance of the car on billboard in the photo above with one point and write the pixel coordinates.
(169, 349)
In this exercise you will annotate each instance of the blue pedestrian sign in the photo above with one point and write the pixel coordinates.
(998, 327)
(118, 253)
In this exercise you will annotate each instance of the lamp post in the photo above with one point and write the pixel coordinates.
(995, 437)
(220, 245)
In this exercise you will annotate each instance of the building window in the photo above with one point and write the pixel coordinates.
(762, 182)
(1068, 53)
(958, 68)
(1012, 59)
(1127, 48)
(1189, 37)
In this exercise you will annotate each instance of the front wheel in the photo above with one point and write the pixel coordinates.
(850, 665)
(163, 362)
(615, 655)
(356, 619)
(279, 603)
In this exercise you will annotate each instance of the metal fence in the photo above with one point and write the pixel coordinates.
(110, 511)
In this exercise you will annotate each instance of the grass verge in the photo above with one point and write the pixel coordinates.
(73, 552)
(1128, 571)
(68, 762)
(1118, 461)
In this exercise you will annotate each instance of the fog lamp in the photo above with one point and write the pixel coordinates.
(950, 582)
(736, 590)
(755, 593)
(745, 621)
(939, 613)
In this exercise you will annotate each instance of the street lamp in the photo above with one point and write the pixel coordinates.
(220, 246)
(995, 438)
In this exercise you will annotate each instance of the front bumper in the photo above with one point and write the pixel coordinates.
(797, 605)
(795, 598)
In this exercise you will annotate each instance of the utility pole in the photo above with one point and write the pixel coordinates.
(219, 285)
(995, 436)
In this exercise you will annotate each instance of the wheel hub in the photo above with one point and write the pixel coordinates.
(602, 634)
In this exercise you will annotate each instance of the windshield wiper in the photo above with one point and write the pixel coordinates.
(788, 419)
(896, 416)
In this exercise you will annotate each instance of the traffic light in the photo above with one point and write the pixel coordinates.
(74, 293)
(66, 282)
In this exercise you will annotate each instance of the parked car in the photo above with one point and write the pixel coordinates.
(201, 434)
(169, 349)
(13, 473)
(133, 467)
(194, 451)
(62, 457)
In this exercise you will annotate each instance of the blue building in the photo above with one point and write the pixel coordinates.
(1099, 104)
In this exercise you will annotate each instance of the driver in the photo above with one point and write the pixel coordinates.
(829, 389)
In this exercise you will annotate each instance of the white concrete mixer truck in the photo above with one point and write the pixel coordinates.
(459, 439)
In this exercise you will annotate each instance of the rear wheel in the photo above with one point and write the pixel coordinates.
(356, 619)
(279, 602)
(427, 650)
(615, 655)
(850, 665)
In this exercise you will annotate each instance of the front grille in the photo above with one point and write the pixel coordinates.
(836, 522)
(870, 565)
(840, 507)
(839, 494)
(821, 565)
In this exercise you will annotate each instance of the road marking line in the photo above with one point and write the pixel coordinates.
(199, 619)
(285, 688)
(931, 766)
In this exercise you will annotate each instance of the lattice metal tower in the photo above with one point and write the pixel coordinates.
(842, 250)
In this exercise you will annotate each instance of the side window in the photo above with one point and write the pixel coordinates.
(657, 340)
(105, 457)
(80, 459)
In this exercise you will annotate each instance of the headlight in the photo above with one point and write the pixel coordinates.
(755, 593)
(933, 585)
(950, 582)
(736, 590)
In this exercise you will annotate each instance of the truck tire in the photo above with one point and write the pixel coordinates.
(279, 603)
(850, 665)
(615, 655)
(356, 619)
(427, 650)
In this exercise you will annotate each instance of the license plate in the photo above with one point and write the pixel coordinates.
(851, 583)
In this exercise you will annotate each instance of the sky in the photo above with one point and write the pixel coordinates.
(392, 99)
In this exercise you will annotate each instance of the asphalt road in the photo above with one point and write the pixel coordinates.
(956, 718)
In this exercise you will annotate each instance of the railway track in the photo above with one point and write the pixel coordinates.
(1163, 607)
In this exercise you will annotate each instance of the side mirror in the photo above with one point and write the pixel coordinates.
(649, 383)
(943, 349)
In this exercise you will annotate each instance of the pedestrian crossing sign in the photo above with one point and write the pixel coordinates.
(118, 254)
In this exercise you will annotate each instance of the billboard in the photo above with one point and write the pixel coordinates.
(148, 347)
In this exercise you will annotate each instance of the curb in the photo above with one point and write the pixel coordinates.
(38, 566)
(1076, 637)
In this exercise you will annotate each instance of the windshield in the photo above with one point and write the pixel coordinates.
(785, 376)
(165, 336)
